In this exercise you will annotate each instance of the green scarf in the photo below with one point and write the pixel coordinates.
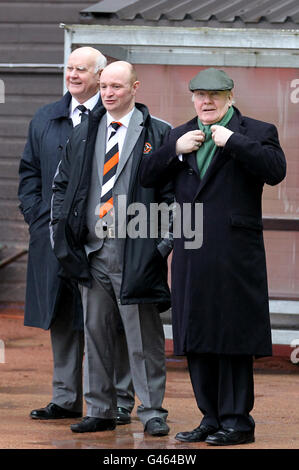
(206, 151)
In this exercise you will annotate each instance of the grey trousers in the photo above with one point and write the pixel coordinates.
(68, 351)
(145, 342)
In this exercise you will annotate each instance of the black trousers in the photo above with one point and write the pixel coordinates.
(224, 389)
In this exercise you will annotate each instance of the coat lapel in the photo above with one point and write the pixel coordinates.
(190, 158)
(133, 133)
(219, 158)
(101, 147)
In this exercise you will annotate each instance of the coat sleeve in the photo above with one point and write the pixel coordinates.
(153, 174)
(165, 196)
(158, 167)
(30, 184)
(259, 152)
(59, 187)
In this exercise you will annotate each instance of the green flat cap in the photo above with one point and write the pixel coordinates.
(211, 79)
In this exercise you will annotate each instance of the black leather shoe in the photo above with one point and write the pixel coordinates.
(123, 416)
(52, 411)
(89, 424)
(198, 434)
(156, 427)
(228, 437)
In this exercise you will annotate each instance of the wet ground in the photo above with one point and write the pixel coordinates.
(25, 383)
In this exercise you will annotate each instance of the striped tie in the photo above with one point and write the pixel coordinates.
(110, 166)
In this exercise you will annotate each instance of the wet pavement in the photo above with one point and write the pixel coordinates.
(25, 383)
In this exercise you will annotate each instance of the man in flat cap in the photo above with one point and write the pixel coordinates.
(220, 159)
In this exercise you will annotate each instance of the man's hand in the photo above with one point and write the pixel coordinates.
(220, 135)
(189, 142)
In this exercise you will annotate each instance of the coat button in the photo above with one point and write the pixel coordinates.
(75, 213)
(190, 171)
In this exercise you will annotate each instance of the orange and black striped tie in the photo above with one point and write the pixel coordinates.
(110, 166)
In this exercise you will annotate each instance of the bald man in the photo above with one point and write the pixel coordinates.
(119, 271)
(52, 302)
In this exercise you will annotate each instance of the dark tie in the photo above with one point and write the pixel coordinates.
(82, 108)
(110, 166)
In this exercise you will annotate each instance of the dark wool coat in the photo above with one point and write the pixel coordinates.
(219, 291)
(145, 271)
(46, 293)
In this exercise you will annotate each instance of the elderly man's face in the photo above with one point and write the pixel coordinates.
(82, 80)
(211, 106)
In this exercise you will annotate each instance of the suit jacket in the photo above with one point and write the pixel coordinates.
(122, 179)
(219, 291)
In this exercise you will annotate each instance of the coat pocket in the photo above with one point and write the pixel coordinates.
(246, 222)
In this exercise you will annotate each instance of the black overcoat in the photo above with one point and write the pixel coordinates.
(46, 293)
(219, 291)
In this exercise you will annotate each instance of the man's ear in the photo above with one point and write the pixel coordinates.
(136, 86)
(99, 72)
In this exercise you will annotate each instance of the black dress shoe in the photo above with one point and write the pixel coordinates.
(52, 411)
(198, 434)
(156, 427)
(123, 416)
(228, 437)
(89, 424)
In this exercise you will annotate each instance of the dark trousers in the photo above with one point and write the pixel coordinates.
(224, 389)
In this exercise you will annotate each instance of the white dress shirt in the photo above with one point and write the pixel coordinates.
(75, 112)
(121, 131)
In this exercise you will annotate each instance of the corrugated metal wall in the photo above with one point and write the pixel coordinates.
(29, 35)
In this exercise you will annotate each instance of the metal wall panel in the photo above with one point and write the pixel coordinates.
(29, 36)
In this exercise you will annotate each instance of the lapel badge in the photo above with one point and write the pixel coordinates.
(147, 147)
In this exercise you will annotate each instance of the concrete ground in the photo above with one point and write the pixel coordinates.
(25, 383)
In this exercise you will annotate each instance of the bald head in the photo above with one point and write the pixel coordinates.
(124, 68)
(83, 72)
(118, 85)
(91, 55)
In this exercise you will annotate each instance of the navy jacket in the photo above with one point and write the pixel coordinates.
(46, 293)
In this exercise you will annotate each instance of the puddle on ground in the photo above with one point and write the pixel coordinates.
(23, 343)
(24, 390)
(8, 405)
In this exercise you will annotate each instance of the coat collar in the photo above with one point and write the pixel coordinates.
(219, 158)
(98, 113)
(61, 108)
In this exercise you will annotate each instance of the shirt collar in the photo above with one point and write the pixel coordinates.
(125, 120)
(89, 104)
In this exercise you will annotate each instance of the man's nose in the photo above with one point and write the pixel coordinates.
(109, 91)
(207, 98)
(74, 72)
